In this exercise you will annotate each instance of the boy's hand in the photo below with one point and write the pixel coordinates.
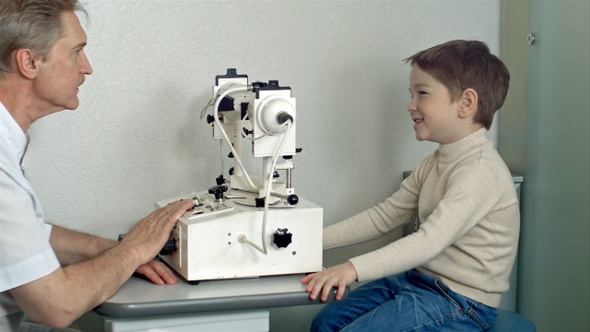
(338, 276)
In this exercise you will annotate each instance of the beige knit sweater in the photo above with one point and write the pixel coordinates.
(465, 198)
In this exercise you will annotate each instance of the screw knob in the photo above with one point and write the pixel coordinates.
(282, 238)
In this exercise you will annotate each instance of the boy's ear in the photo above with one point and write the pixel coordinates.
(26, 63)
(468, 103)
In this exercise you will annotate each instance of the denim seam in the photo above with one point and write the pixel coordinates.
(439, 321)
(469, 311)
(447, 296)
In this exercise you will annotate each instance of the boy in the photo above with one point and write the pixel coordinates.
(450, 274)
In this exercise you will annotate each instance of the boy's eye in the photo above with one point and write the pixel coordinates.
(420, 93)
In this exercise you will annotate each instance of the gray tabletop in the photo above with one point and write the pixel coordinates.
(139, 297)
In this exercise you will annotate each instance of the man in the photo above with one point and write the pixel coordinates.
(52, 274)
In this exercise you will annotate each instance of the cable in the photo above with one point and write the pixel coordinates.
(241, 88)
(210, 102)
(242, 238)
(204, 109)
(222, 159)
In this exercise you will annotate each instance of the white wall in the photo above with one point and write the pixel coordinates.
(137, 138)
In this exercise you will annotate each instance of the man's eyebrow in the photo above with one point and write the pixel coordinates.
(81, 44)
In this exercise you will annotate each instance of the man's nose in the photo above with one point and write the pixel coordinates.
(86, 67)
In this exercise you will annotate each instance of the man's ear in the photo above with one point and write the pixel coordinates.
(468, 103)
(26, 62)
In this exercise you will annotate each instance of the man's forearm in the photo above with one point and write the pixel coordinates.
(62, 296)
(73, 247)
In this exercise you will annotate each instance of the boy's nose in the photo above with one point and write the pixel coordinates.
(411, 107)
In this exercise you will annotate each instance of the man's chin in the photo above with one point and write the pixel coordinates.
(73, 105)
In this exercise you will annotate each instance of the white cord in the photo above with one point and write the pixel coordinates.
(242, 127)
(222, 159)
(204, 110)
(210, 102)
(242, 238)
(241, 88)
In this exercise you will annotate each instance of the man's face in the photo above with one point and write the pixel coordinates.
(61, 74)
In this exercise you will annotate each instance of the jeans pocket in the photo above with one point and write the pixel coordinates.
(480, 313)
(448, 294)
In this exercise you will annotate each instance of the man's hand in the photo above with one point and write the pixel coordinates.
(93, 274)
(150, 234)
(158, 273)
(338, 276)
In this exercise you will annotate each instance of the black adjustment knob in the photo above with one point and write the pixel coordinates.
(220, 180)
(282, 238)
(292, 199)
(210, 119)
(218, 191)
(169, 247)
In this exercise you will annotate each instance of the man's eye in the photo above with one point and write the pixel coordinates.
(422, 92)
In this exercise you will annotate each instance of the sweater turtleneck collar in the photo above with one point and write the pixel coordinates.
(452, 150)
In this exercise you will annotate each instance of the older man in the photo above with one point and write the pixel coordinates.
(52, 274)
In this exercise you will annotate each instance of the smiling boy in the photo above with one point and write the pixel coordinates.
(450, 274)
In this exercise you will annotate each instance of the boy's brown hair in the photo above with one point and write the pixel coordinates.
(462, 64)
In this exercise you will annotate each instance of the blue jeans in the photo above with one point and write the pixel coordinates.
(410, 301)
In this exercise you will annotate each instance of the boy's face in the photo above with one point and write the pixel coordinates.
(435, 115)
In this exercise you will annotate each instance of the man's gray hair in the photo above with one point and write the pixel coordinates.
(31, 24)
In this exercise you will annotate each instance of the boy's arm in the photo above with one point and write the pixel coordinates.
(469, 197)
(396, 211)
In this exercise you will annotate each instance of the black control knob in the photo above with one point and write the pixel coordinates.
(282, 238)
(169, 247)
(292, 199)
(220, 180)
(218, 191)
